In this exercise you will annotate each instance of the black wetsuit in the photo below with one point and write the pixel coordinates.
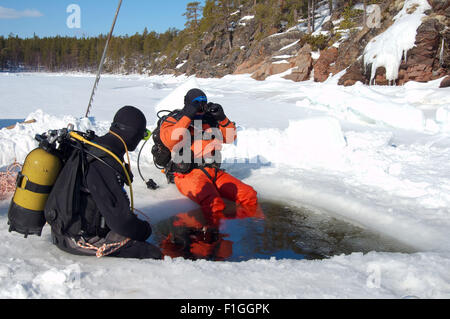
(106, 217)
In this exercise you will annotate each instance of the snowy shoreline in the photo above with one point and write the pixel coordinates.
(376, 156)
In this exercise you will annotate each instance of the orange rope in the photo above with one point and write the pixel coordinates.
(106, 249)
(8, 180)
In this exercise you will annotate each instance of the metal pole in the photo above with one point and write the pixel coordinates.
(103, 60)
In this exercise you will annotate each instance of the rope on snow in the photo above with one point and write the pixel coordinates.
(8, 180)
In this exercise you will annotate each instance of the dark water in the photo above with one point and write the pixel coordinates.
(284, 232)
(8, 122)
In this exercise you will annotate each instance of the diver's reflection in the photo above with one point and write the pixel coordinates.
(193, 236)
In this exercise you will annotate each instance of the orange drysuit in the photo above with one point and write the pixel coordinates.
(208, 185)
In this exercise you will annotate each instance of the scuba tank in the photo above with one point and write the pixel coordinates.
(40, 173)
(34, 184)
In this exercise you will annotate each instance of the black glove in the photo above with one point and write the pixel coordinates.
(191, 109)
(216, 110)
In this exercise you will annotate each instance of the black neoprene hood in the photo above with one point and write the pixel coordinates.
(130, 123)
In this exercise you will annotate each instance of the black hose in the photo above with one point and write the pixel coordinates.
(151, 184)
(139, 160)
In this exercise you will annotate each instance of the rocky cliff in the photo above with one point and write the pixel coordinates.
(337, 46)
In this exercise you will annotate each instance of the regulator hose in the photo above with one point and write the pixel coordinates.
(151, 184)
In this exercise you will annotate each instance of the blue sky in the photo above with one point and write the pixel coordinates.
(49, 17)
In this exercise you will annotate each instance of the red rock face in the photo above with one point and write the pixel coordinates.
(440, 6)
(418, 73)
(269, 69)
(322, 66)
(380, 77)
(423, 58)
(302, 65)
(427, 60)
(302, 70)
(422, 64)
(355, 73)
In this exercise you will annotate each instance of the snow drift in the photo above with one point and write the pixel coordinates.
(299, 143)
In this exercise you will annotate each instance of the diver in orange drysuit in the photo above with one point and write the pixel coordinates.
(204, 182)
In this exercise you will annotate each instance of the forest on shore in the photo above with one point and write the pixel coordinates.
(139, 52)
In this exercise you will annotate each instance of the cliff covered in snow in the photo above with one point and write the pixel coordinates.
(386, 42)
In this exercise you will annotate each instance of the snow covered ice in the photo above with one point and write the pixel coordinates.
(377, 157)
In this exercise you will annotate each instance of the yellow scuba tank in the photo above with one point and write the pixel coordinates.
(34, 184)
(40, 171)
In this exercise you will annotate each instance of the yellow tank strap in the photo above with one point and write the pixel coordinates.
(85, 141)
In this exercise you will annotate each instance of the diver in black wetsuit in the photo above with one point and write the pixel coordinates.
(104, 223)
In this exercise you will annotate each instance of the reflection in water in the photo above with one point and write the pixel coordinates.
(193, 235)
(281, 232)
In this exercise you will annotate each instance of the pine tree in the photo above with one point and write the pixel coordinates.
(268, 15)
(210, 15)
(3, 53)
(192, 14)
(311, 15)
